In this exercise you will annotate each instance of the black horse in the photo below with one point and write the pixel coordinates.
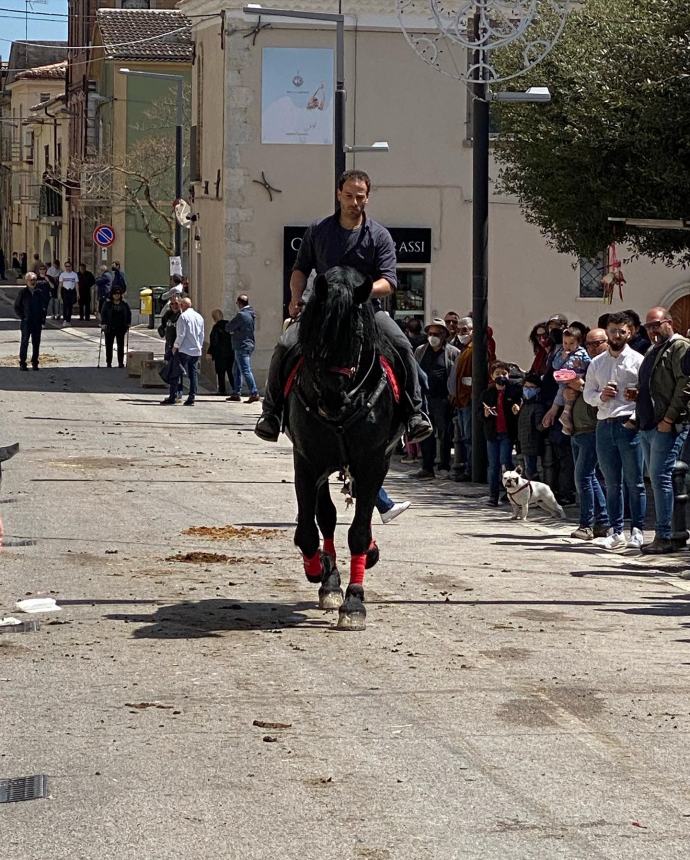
(343, 415)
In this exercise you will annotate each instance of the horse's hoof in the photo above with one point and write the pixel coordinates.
(372, 555)
(330, 593)
(352, 615)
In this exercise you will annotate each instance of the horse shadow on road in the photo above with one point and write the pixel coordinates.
(213, 617)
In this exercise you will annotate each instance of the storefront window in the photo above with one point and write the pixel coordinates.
(409, 297)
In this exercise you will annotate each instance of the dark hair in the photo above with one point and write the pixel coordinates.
(619, 318)
(573, 332)
(414, 325)
(532, 379)
(499, 365)
(581, 327)
(534, 340)
(357, 175)
(603, 321)
(634, 317)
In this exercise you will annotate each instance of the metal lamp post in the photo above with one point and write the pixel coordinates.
(179, 80)
(465, 41)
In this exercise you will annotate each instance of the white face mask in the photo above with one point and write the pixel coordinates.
(434, 341)
(464, 338)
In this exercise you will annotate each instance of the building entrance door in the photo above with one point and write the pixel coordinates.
(410, 296)
(680, 313)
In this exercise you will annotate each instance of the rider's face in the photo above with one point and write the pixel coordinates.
(353, 197)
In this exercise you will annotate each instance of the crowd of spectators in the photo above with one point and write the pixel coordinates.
(597, 411)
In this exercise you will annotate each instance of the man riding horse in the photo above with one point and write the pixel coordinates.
(346, 238)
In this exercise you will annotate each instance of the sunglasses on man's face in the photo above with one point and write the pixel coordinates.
(596, 342)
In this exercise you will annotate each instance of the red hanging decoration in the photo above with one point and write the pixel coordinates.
(613, 276)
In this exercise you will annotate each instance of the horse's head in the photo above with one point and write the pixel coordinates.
(337, 331)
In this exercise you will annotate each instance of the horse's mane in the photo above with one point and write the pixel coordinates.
(328, 331)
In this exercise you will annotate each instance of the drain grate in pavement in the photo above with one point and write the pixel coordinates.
(15, 542)
(23, 788)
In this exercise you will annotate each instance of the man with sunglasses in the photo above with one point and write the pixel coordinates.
(610, 378)
(661, 409)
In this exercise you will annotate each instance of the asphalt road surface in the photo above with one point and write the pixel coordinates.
(515, 694)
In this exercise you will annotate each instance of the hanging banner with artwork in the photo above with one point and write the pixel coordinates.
(297, 95)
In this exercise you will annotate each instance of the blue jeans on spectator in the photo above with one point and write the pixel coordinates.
(531, 466)
(592, 499)
(500, 453)
(191, 365)
(463, 415)
(661, 450)
(242, 368)
(383, 501)
(619, 452)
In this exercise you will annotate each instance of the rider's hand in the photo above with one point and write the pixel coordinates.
(295, 307)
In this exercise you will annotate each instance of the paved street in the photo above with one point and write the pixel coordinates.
(515, 694)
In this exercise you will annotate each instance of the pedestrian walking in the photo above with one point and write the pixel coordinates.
(103, 285)
(241, 330)
(30, 306)
(116, 319)
(594, 518)
(53, 275)
(189, 344)
(119, 279)
(387, 508)
(437, 359)
(220, 350)
(43, 285)
(86, 282)
(619, 447)
(348, 237)
(661, 401)
(35, 263)
(2, 265)
(16, 263)
(68, 281)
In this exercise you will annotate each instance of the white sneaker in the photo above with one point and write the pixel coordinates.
(394, 512)
(636, 539)
(613, 543)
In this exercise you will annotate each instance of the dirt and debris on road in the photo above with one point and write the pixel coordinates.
(230, 532)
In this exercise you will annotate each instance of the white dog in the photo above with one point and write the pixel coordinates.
(522, 493)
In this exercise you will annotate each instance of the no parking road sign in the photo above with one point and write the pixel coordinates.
(104, 235)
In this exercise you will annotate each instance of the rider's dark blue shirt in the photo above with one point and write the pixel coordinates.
(369, 249)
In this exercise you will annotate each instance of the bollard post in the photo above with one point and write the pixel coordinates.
(679, 535)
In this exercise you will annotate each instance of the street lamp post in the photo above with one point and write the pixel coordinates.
(179, 80)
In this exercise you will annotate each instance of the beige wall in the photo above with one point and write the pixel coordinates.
(425, 180)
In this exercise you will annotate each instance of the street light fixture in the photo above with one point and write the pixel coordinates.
(533, 95)
(179, 80)
(340, 148)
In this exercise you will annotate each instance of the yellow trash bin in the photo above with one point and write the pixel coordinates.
(145, 302)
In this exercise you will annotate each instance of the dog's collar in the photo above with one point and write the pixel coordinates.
(520, 489)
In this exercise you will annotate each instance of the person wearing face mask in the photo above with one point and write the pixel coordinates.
(463, 397)
(116, 318)
(619, 449)
(501, 406)
(437, 359)
(530, 417)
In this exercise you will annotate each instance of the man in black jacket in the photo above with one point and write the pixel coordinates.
(116, 318)
(30, 306)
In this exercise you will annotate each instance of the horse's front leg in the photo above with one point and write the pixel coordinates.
(306, 533)
(330, 592)
(352, 612)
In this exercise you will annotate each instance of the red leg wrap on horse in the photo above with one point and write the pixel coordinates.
(312, 566)
(357, 567)
(329, 547)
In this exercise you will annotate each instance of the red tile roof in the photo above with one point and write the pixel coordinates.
(54, 72)
(145, 34)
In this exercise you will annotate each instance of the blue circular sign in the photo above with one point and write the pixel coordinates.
(104, 235)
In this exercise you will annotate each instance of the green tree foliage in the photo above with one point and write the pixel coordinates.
(616, 139)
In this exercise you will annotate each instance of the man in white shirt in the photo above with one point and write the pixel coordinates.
(68, 281)
(619, 448)
(189, 343)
